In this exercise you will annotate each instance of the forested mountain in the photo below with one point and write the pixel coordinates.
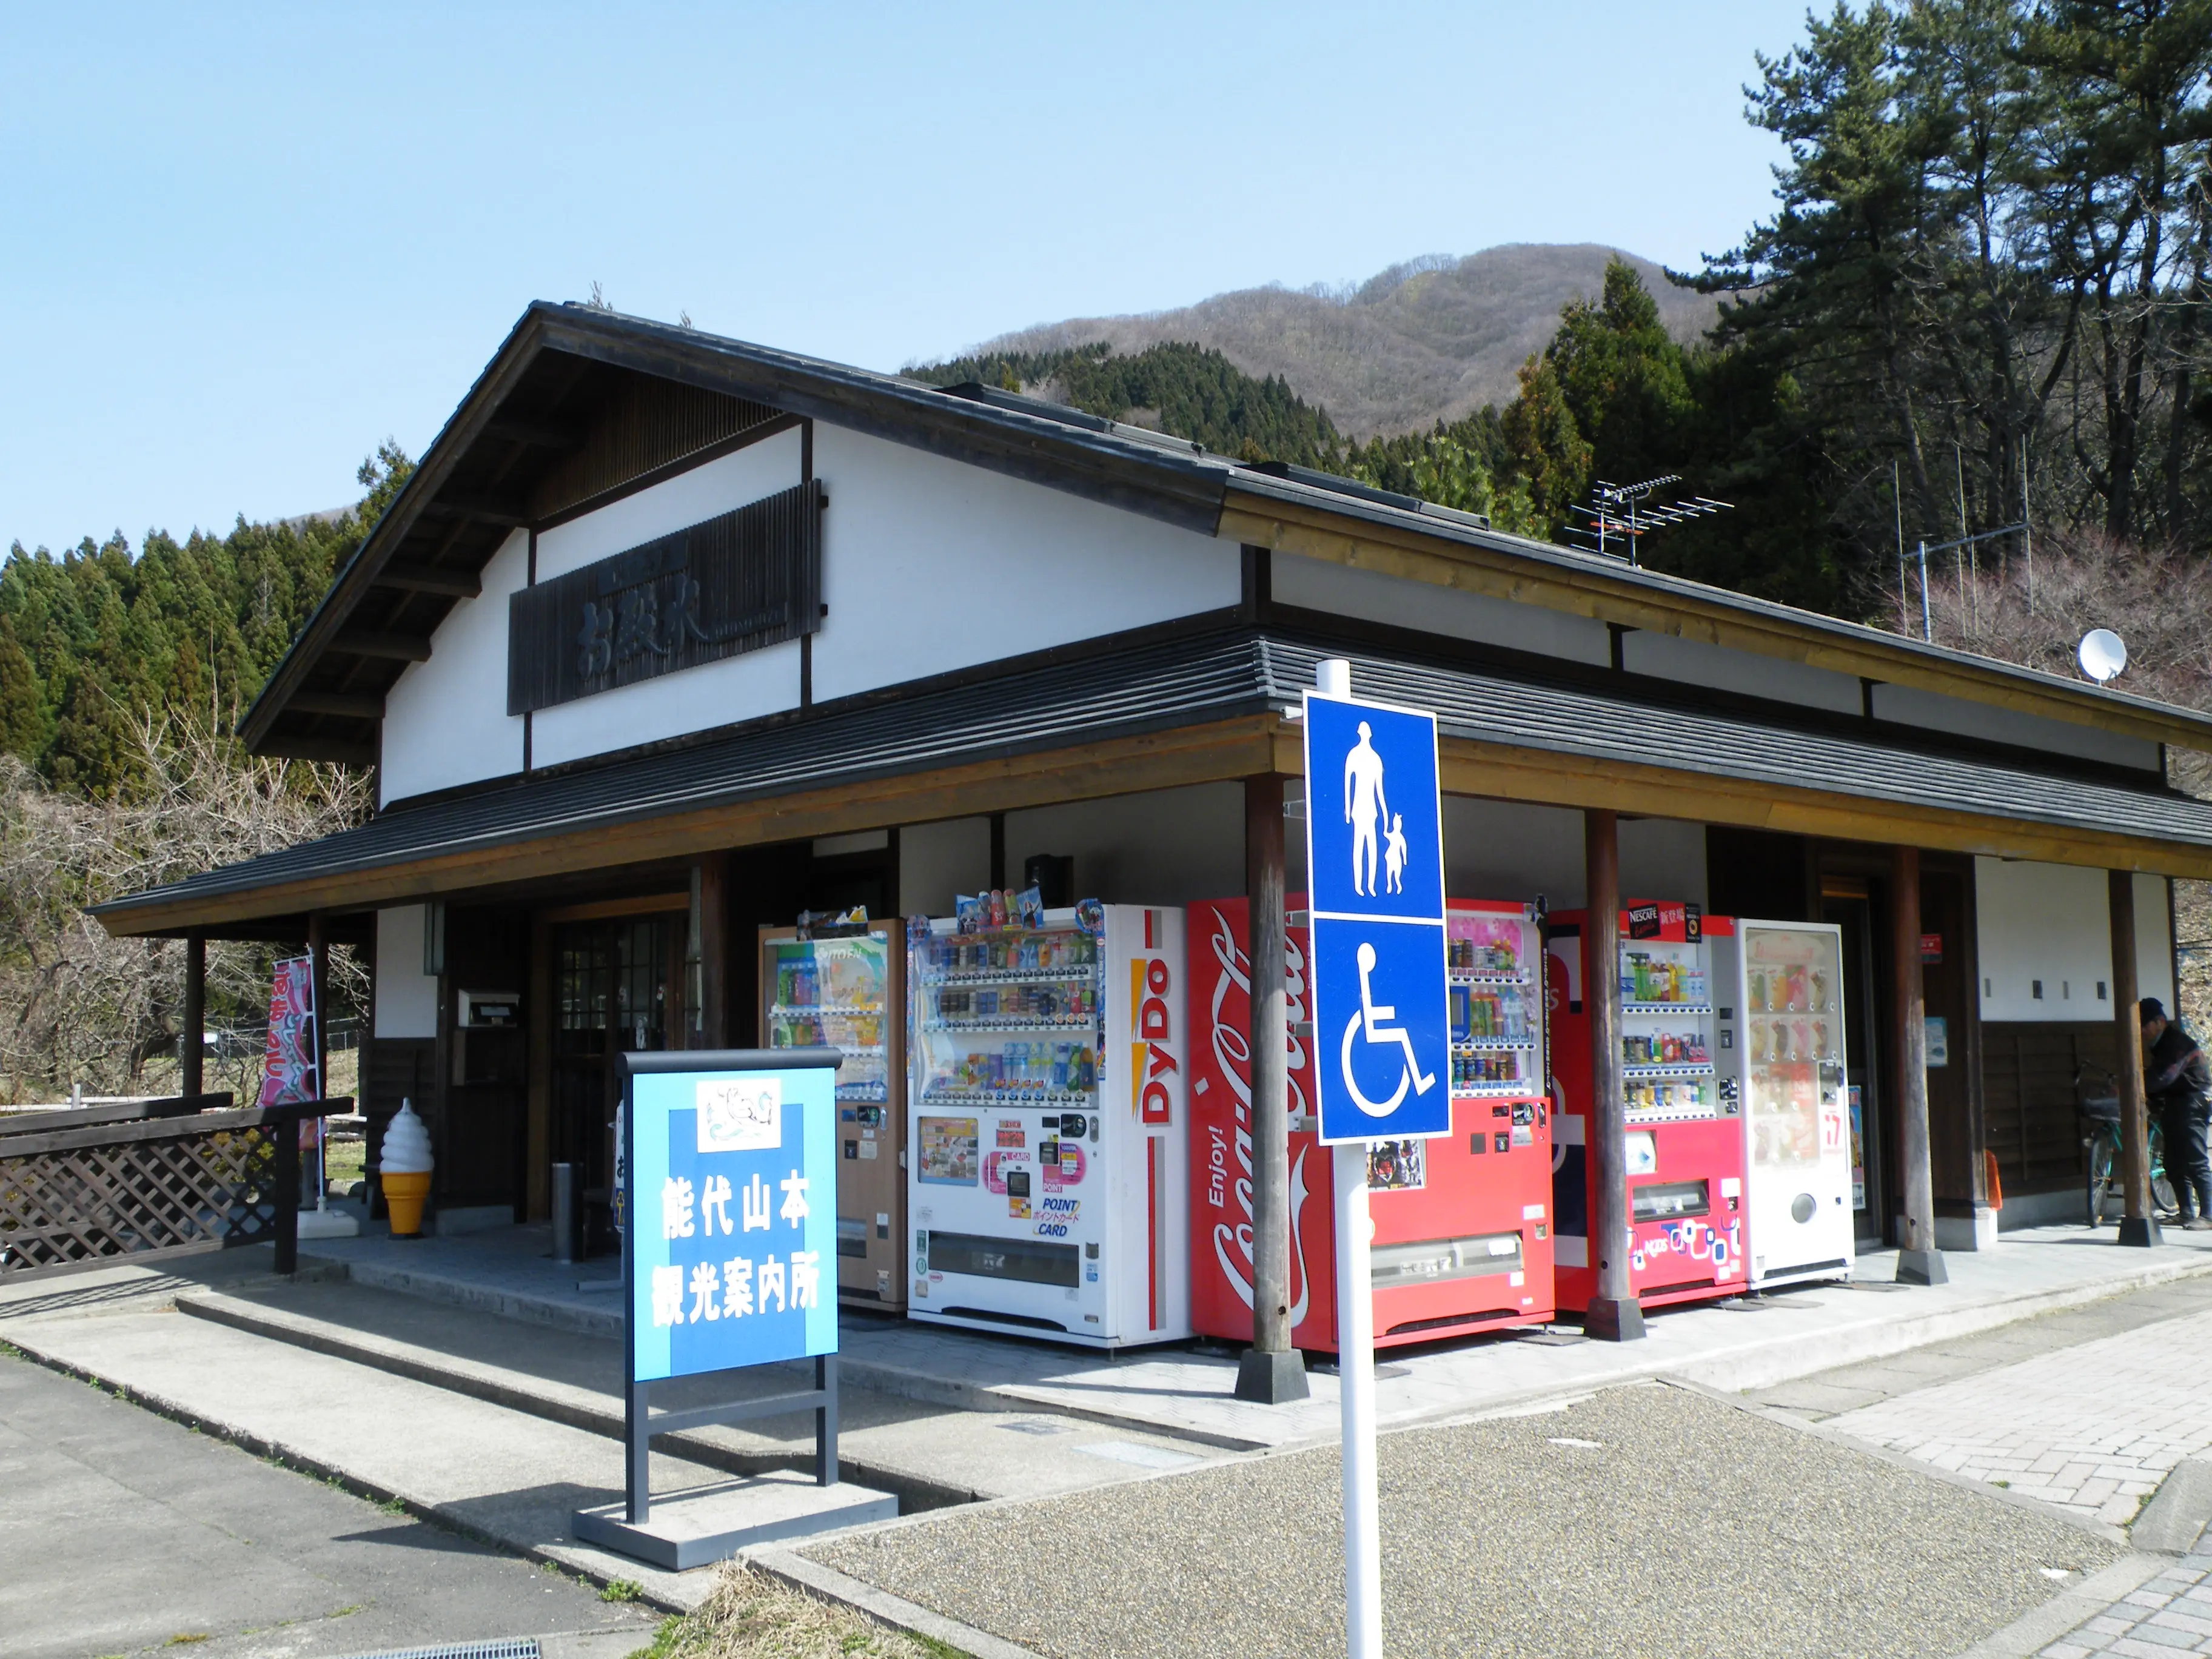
(92, 641)
(1430, 339)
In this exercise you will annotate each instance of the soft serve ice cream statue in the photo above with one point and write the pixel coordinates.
(404, 1169)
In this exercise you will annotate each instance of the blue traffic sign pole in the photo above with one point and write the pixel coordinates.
(1374, 879)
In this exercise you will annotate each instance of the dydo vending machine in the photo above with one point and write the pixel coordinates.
(1046, 1178)
(845, 987)
(1462, 1231)
(1683, 1151)
(1780, 986)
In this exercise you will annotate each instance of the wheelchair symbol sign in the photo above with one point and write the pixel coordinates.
(1380, 1017)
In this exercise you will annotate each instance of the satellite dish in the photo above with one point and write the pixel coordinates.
(2102, 654)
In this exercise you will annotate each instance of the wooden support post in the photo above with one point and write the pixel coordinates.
(714, 949)
(285, 1139)
(2140, 1225)
(1272, 1370)
(1918, 1260)
(1615, 1314)
(192, 1051)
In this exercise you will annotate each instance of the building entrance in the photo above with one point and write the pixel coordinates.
(614, 984)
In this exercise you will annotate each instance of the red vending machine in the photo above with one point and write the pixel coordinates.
(1463, 1222)
(1684, 1130)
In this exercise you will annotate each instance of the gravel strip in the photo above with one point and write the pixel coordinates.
(1690, 1527)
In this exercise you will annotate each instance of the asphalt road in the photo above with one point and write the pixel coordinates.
(121, 1531)
(1669, 1522)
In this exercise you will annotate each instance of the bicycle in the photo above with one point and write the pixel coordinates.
(2100, 1115)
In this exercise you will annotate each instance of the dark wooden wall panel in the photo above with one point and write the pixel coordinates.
(2027, 1075)
(647, 424)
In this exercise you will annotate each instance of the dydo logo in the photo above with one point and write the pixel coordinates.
(1152, 1053)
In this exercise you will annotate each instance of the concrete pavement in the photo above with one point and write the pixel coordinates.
(123, 1532)
(1645, 1520)
(2088, 1410)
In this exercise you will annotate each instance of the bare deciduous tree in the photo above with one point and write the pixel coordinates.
(78, 1007)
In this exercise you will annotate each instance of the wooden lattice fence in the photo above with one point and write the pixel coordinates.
(88, 1196)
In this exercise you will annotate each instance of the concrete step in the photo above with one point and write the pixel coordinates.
(929, 1454)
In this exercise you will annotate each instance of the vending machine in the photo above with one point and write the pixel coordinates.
(1778, 985)
(1684, 1139)
(846, 986)
(1462, 1229)
(1048, 1182)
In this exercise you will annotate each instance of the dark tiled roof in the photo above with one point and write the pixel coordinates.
(1188, 680)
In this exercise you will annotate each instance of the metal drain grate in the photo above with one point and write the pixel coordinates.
(512, 1647)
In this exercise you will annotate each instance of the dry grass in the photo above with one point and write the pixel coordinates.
(753, 1616)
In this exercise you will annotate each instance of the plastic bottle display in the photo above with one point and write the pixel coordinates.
(1495, 1024)
(995, 978)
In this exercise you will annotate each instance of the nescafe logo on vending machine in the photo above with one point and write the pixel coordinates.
(1643, 921)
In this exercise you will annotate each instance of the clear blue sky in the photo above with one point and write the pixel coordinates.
(243, 244)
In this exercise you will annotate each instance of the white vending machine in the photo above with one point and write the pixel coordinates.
(1779, 992)
(1047, 1191)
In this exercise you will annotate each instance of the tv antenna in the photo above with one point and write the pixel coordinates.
(1927, 621)
(1626, 512)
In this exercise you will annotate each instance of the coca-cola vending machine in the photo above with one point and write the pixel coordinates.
(1463, 1222)
(1684, 1151)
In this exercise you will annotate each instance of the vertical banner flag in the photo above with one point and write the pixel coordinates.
(1374, 875)
(289, 1070)
(733, 1247)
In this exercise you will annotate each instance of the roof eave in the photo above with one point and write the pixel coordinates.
(1283, 515)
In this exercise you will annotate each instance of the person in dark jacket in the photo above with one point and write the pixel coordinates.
(2178, 1084)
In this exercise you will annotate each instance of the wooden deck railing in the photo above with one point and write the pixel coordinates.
(93, 1195)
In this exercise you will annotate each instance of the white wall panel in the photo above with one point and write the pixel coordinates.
(1319, 584)
(1502, 849)
(1933, 712)
(1161, 847)
(1691, 662)
(939, 860)
(738, 688)
(705, 492)
(2051, 923)
(692, 700)
(445, 720)
(930, 565)
(406, 997)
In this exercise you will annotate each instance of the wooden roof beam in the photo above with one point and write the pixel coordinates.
(424, 578)
(344, 705)
(537, 435)
(397, 647)
(479, 509)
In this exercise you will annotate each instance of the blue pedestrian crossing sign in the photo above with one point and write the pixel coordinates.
(1375, 881)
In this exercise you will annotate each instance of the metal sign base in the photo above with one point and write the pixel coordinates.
(641, 1423)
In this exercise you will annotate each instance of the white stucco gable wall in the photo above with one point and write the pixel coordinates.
(445, 720)
(930, 565)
